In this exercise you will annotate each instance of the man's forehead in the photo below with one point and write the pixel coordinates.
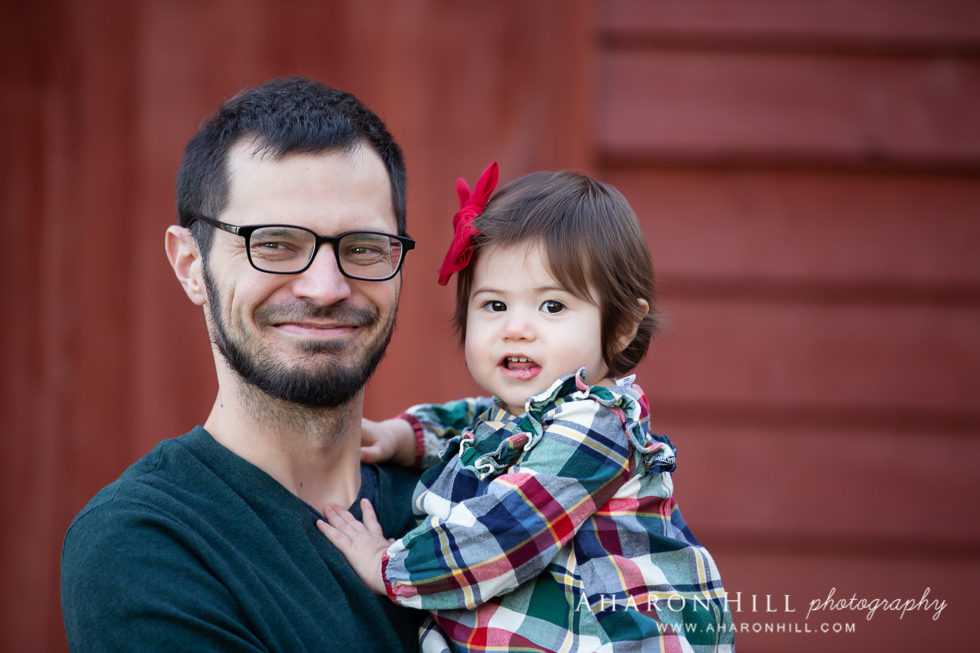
(253, 154)
(260, 182)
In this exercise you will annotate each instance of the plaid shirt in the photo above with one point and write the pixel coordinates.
(555, 530)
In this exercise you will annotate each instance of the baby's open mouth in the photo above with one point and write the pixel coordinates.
(520, 368)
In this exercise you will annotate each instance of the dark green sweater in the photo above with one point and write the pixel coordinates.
(195, 549)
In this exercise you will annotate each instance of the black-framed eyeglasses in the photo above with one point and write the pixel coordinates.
(288, 249)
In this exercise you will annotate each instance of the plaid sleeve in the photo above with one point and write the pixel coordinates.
(490, 530)
(440, 422)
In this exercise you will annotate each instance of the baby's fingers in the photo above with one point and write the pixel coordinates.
(342, 520)
(370, 518)
(371, 454)
(336, 537)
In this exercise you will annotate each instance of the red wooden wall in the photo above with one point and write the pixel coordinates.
(807, 173)
(807, 176)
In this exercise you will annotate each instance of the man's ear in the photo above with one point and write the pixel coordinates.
(185, 258)
(626, 337)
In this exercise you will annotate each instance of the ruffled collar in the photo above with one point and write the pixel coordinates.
(506, 436)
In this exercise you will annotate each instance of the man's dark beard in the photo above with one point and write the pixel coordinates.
(326, 386)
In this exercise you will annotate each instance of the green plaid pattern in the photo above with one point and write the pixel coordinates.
(555, 530)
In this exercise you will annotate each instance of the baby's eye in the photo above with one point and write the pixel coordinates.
(552, 307)
(495, 306)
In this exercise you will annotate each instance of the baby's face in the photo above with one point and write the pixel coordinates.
(523, 331)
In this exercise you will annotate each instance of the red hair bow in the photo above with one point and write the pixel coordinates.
(471, 204)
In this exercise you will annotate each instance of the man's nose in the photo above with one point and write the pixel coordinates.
(323, 281)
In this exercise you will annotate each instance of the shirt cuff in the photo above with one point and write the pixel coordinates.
(384, 576)
(419, 437)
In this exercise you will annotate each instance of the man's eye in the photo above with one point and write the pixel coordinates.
(552, 307)
(495, 306)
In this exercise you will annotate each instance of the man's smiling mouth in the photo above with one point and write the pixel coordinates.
(302, 319)
(314, 327)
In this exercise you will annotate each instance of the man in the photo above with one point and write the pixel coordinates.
(291, 203)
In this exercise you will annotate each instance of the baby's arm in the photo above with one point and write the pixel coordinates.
(508, 527)
(469, 551)
(418, 435)
(392, 439)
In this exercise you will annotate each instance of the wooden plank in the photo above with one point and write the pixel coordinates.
(896, 24)
(739, 108)
(517, 90)
(170, 393)
(27, 551)
(850, 358)
(901, 231)
(815, 488)
(103, 163)
(808, 578)
(35, 394)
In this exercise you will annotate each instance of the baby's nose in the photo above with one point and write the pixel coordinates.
(519, 327)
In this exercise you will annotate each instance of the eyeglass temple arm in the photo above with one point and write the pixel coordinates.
(220, 225)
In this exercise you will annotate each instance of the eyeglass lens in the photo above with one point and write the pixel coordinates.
(289, 249)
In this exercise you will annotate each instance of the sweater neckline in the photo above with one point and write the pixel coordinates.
(248, 479)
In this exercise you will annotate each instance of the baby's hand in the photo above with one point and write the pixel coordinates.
(363, 544)
(392, 439)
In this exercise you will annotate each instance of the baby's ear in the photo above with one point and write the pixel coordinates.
(630, 326)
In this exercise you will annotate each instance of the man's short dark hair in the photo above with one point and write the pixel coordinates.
(287, 115)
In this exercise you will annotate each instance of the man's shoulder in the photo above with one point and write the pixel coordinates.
(150, 483)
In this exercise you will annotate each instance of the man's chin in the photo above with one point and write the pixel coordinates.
(310, 389)
(306, 354)
(316, 377)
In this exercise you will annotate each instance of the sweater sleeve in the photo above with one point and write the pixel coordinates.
(130, 584)
(440, 422)
(567, 462)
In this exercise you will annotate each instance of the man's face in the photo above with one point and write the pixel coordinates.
(315, 337)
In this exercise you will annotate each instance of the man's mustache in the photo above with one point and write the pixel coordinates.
(300, 310)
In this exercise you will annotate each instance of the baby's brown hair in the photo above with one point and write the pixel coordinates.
(594, 248)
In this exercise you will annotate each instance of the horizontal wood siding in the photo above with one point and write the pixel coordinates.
(819, 356)
(808, 177)
(711, 107)
(910, 237)
(894, 25)
(826, 486)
